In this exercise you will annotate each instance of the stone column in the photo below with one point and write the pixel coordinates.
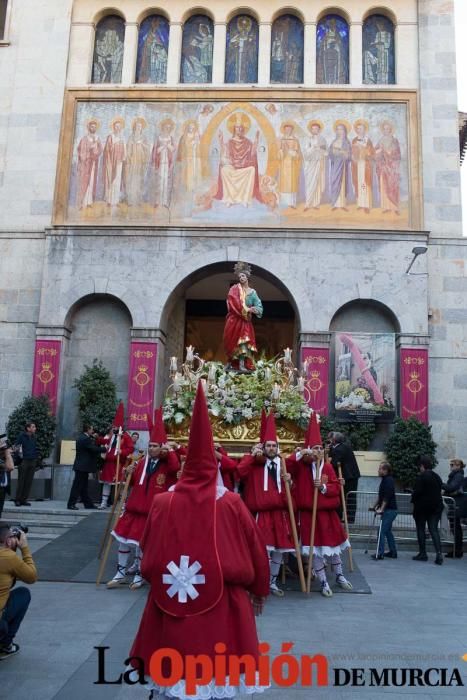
(129, 53)
(218, 53)
(81, 54)
(406, 42)
(175, 53)
(356, 54)
(309, 52)
(264, 53)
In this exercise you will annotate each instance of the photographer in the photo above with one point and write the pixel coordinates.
(14, 602)
(6, 466)
(85, 463)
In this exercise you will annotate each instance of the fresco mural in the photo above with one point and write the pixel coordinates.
(153, 50)
(108, 50)
(197, 46)
(378, 51)
(332, 51)
(287, 50)
(298, 164)
(241, 63)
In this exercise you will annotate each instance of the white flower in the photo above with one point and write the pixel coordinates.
(247, 413)
(179, 417)
(182, 579)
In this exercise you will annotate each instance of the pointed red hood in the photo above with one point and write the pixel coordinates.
(191, 527)
(270, 433)
(119, 419)
(313, 434)
(157, 431)
(262, 429)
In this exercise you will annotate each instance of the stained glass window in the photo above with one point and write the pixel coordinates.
(332, 51)
(153, 50)
(108, 50)
(378, 51)
(241, 64)
(197, 45)
(287, 50)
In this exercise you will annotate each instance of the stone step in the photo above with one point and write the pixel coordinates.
(26, 512)
(53, 527)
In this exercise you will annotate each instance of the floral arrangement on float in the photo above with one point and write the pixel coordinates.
(234, 397)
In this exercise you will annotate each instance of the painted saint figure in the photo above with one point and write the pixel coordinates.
(136, 163)
(162, 160)
(238, 181)
(153, 51)
(114, 158)
(378, 51)
(189, 156)
(332, 51)
(340, 154)
(197, 47)
(242, 51)
(314, 155)
(290, 159)
(108, 51)
(388, 161)
(89, 152)
(362, 165)
(239, 335)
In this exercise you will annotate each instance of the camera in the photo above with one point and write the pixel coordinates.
(17, 530)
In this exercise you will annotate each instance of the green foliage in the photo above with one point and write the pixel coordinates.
(97, 396)
(405, 445)
(37, 410)
(359, 434)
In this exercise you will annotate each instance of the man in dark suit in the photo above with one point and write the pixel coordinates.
(85, 463)
(342, 453)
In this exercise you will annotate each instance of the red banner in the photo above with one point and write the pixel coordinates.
(414, 383)
(317, 378)
(46, 371)
(141, 382)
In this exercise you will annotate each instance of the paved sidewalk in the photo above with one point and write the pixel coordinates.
(414, 618)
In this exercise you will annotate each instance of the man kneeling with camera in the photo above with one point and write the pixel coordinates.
(14, 602)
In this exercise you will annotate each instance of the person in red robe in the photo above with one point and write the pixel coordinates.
(265, 497)
(206, 564)
(238, 181)
(239, 334)
(310, 471)
(89, 152)
(227, 466)
(152, 475)
(118, 442)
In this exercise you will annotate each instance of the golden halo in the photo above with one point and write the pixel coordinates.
(139, 120)
(238, 119)
(314, 122)
(187, 124)
(343, 122)
(117, 120)
(287, 123)
(363, 122)
(390, 124)
(167, 122)
(244, 20)
(95, 121)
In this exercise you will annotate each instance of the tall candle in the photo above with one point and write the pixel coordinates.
(173, 364)
(288, 355)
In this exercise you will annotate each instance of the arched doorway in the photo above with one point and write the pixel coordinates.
(195, 311)
(100, 328)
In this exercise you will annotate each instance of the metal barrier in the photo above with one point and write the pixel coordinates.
(366, 523)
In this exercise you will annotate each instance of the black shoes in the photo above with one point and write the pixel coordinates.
(377, 557)
(91, 507)
(72, 507)
(390, 555)
(450, 555)
(420, 557)
(22, 503)
(439, 559)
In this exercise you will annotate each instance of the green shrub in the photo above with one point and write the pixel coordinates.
(97, 396)
(35, 409)
(405, 445)
(359, 434)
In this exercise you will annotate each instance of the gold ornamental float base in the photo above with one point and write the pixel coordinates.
(239, 438)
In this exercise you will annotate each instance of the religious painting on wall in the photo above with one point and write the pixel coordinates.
(221, 163)
(365, 376)
(287, 50)
(241, 62)
(197, 46)
(153, 50)
(108, 50)
(332, 51)
(378, 51)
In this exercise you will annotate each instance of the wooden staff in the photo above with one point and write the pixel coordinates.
(109, 538)
(344, 510)
(294, 528)
(110, 518)
(117, 466)
(312, 539)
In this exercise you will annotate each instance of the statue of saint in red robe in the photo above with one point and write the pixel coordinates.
(239, 334)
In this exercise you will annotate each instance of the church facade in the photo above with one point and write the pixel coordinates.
(144, 151)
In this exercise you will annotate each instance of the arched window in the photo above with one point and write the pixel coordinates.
(153, 50)
(287, 50)
(197, 44)
(241, 63)
(3, 6)
(378, 51)
(332, 51)
(108, 50)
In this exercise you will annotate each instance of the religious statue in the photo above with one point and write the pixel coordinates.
(239, 335)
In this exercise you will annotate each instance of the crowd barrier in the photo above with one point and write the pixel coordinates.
(366, 523)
